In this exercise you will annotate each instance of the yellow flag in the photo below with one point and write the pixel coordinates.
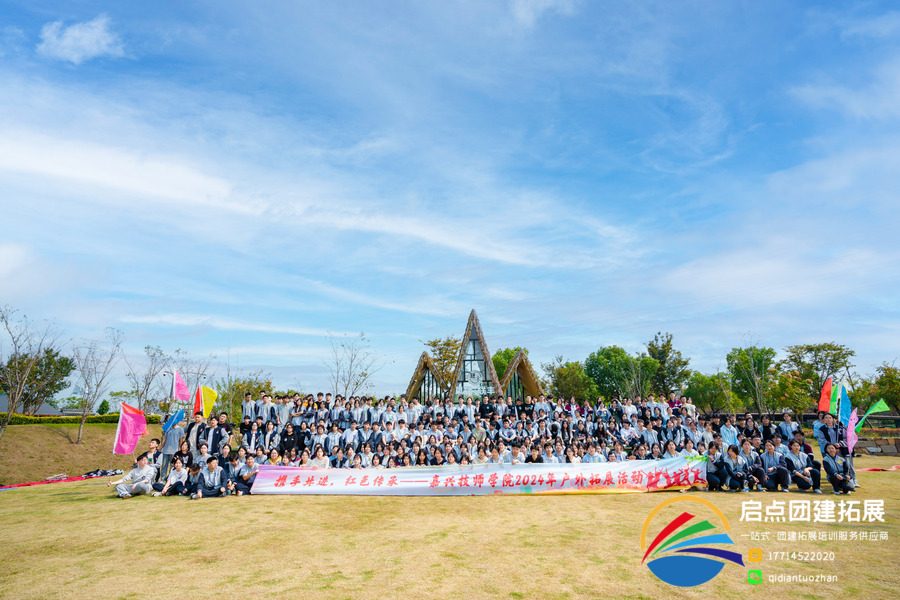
(209, 398)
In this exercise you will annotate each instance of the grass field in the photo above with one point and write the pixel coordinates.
(76, 540)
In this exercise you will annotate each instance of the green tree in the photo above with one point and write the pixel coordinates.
(503, 357)
(672, 371)
(887, 385)
(616, 373)
(104, 407)
(817, 362)
(126, 396)
(47, 378)
(750, 374)
(22, 345)
(445, 354)
(568, 379)
(790, 391)
(712, 393)
(231, 390)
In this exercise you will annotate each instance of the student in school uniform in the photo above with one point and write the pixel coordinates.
(248, 407)
(735, 470)
(270, 438)
(755, 473)
(215, 436)
(138, 481)
(154, 457)
(837, 468)
(800, 468)
(171, 445)
(193, 481)
(252, 439)
(194, 433)
(233, 470)
(185, 454)
(787, 427)
(776, 472)
(175, 480)
(247, 476)
(212, 481)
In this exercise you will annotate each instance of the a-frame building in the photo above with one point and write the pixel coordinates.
(474, 373)
(520, 379)
(426, 381)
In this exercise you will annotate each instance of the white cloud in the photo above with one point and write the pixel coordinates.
(79, 42)
(880, 27)
(528, 12)
(185, 320)
(877, 100)
(120, 168)
(12, 258)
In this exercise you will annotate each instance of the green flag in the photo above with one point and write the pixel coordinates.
(835, 394)
(880, 406)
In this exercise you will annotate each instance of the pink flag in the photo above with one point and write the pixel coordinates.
(852, 436)
(132, 425)
(179, 388)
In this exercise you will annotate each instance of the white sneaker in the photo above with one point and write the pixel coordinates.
(156, 494)
(193, 496)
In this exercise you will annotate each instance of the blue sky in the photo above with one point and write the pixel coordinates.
(240, 179)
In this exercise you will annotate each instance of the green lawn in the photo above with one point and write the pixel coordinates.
(75, 540)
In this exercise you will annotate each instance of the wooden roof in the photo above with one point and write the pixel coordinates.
(521, 365)
(473, 326)
(425, 364)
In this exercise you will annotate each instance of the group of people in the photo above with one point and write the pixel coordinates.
(214, 457)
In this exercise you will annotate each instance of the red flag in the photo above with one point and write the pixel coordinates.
(198, 402)
(825, 398)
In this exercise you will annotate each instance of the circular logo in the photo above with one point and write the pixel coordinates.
(683, 551)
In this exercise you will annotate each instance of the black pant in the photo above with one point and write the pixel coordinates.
(173, 490)
(779, 476)
(840, 485)
(803, 484)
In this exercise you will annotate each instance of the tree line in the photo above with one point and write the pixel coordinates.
(753, 377)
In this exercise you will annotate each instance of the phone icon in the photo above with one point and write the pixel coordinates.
(754, 577)
(754, 555)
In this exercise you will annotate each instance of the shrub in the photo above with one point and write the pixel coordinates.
(110, 418)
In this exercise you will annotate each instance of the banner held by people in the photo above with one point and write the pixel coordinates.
(500, 478)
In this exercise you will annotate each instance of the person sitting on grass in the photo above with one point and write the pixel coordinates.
(714, 471)
(755, 473)
(837, 468)
(175, 481)
(193, 480)
(248, 476)
(233, 470)
(773, 465)
(799, 464)
(138, 481)
(212, 481)
(736, 469)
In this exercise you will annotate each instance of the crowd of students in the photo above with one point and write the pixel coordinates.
(214, 457)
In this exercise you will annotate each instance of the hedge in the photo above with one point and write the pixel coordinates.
(110, 418)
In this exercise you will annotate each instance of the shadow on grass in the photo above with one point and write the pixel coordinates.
(61, 432)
